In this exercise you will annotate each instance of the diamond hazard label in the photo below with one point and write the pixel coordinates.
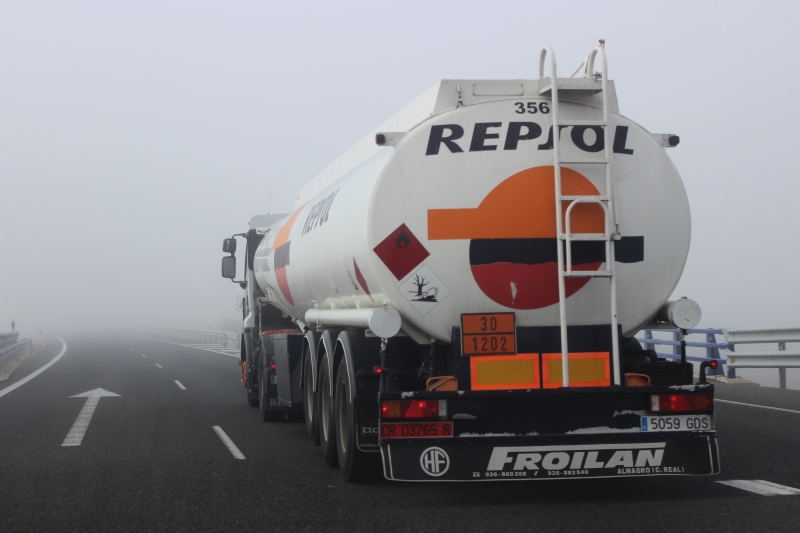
(424, 290)
(401, 251)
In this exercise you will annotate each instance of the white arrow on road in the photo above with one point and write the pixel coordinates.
(75, 435)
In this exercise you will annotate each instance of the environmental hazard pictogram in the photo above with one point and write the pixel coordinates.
(401, 251)
(512, 234)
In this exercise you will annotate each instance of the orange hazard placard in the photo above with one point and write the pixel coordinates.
(505, 372)
(488, 334)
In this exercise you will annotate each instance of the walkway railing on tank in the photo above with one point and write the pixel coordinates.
(780, 359)
(225, 339)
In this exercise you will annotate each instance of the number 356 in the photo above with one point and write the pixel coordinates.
(532, 108)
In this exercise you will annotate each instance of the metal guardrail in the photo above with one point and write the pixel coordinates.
(15, 347)
(711, 346)
(226, 339)
(780, 359)
(8, 339)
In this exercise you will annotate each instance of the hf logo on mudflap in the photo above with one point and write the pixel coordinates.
(434, 461)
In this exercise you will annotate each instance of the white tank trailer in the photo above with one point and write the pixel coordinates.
(430, 313)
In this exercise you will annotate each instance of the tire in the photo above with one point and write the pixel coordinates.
(309, 399)
(327, 427)
(354, 464)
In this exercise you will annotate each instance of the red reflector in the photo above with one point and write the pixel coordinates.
(377, 370)
(681, 402)
(412, 409)
(273, 366)
(714, 364)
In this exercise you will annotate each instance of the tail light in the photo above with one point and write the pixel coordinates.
(681, 402)
(273, 366)
(414, 409)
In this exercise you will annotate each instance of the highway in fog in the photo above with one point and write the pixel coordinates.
(168, 443)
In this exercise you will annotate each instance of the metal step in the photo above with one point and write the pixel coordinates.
(582, 123)
(582, 161)
(586, 237)
(569, 198)
(571, 84)
(587, 274)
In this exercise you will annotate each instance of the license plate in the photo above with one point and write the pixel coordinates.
(659, 424)
(413, 430)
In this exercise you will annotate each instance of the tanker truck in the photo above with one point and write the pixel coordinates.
(455, 298)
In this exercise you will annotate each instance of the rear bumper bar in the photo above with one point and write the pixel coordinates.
(549, 434)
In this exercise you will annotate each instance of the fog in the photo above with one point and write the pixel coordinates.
(135, 136)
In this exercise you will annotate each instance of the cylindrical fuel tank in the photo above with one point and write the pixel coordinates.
(460, 217)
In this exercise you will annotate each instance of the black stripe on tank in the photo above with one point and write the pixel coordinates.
(281, 256)
(538, 251)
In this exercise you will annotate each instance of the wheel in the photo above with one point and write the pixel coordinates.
(355, 464)
(309, 404)
(327, 429)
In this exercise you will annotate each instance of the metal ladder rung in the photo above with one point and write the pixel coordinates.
(568, 198)
(582, 161)
(582, 123)
(587, 274)
(586, 237)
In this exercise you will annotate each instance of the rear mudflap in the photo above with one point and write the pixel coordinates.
(518, 458)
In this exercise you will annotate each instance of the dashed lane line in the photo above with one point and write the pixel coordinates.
(34, 374)
(228, 442)
(759, 486)
(237, 354)
(754, 405)
(180, 385)
(159, 366)
(143, 355)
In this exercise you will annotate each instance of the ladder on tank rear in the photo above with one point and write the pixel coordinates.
(606, 202)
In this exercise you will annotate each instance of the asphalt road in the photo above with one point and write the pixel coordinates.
(150, 461)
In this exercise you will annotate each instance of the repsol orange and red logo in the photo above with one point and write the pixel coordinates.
(512, 233)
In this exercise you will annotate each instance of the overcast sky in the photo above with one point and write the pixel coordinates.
(135, 136)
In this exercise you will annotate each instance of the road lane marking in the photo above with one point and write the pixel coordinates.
(759, 486)
(754, 405)
(131, 349)
(34, 374)
(143, 355)
(179, 384)
(159, 366)
(78, 430)
(228, 442)
(237, 354)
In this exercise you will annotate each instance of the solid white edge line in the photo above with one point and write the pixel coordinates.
(228, 442)
(759, 486)
(754, 405)
(184, 345)
(179, 384)
(26, 379)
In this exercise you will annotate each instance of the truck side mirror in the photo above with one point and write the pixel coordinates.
(229, 265)
(229, 246)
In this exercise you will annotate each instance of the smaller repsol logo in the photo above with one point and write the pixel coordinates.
(483, 137)
(319, 213)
